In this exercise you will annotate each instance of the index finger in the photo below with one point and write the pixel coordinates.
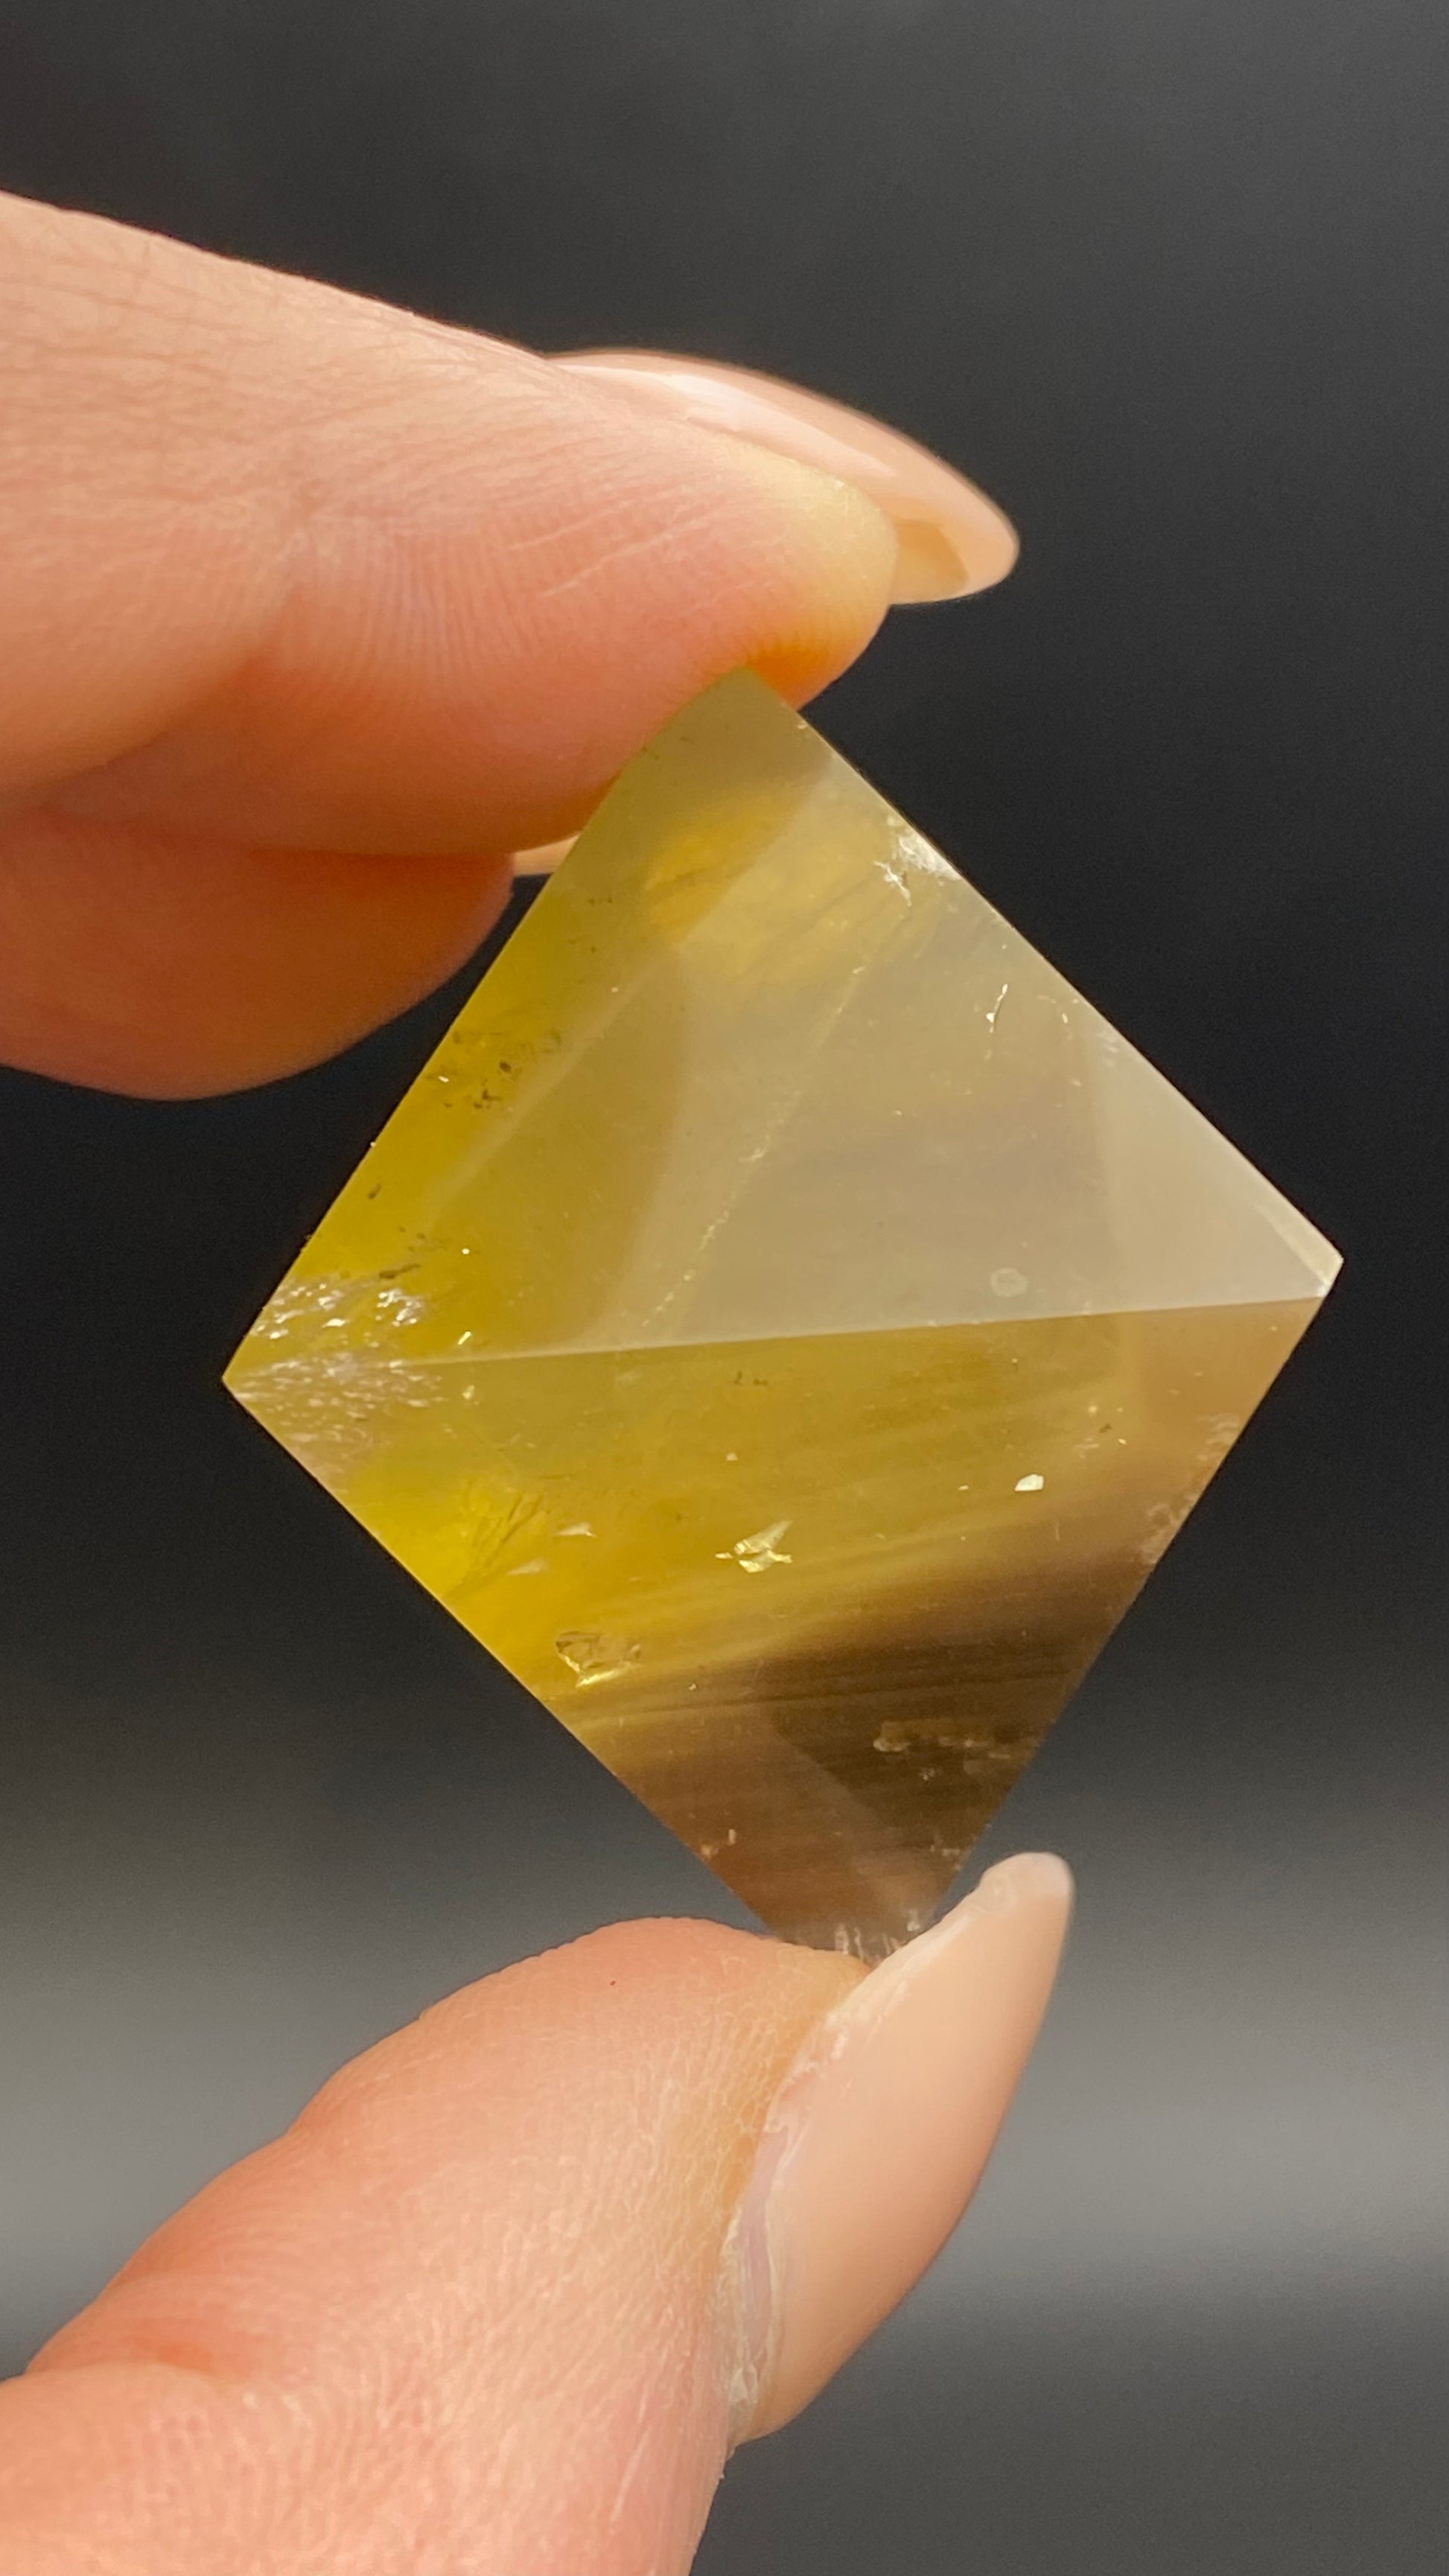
(294, 580)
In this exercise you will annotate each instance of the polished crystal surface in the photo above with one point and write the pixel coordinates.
(785, 1323)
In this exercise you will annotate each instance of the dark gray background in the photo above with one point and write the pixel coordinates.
(1170, 276)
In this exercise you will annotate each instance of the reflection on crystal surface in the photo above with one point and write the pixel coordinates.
(784, 1323)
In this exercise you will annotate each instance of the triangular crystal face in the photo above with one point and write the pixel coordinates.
(784, 1323)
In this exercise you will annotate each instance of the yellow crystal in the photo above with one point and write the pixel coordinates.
(784, 1323)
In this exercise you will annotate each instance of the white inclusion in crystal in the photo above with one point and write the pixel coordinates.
(578, 1529)
(593, 1658)
(1030, 1484)
(752, 1555)
(916, 852)
(1007, 1283)
(911, 855)
(399, 1306)
(535, 1565)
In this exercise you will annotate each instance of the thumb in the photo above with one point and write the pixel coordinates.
(497, 2303)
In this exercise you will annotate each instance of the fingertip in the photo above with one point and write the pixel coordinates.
(843, 554)
(467, 2308)
(951, 539)
(880, 2134)
(450, 602)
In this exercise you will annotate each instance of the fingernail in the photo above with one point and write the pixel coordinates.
(879, 2135)
(542, 861)
(951, 539)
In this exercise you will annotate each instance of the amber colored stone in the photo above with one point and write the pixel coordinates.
(784, 1323)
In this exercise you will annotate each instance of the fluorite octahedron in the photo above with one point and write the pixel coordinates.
(784, 1323)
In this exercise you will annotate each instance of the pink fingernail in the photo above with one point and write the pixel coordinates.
(880, 2132)
(951, 538)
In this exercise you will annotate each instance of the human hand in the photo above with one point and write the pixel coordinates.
(314, 613)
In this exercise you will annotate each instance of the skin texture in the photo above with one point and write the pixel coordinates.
(949, 538)
(312, 613)
(308, 2368)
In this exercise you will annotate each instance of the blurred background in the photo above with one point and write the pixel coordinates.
(1169, 278)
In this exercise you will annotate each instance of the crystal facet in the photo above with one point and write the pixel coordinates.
(784, 1323)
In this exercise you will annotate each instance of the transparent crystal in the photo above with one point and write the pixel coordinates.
(784, 1323)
